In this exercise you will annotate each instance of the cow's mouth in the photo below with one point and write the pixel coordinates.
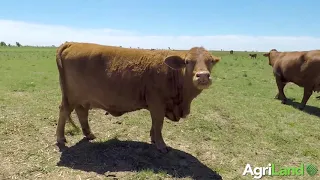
(202, 84)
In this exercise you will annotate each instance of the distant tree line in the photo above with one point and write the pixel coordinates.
(3, 44)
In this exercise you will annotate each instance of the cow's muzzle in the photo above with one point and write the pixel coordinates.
(202, 79)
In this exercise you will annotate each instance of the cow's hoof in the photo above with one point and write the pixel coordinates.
(164, 150)
(284, 101)
(162, 147)
(90, 136)
(152, 140)
(61, 141)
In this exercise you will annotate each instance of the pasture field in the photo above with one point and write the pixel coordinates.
(235, 122)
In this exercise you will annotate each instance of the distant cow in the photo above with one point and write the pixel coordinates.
(231, 52)
(122, 80)
(299, 67)
(253, 56)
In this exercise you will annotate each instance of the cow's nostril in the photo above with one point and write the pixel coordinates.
(203, 75)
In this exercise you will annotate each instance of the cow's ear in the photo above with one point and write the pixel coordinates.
(266, 54)
(175, 62)
(217, 59)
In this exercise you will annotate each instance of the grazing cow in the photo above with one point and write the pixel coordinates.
(299, 67)
(121, 80)
(231, 52)
(253, 56)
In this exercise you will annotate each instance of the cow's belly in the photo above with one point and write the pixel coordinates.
(116, 98)
(115, 106)
(298, 81)
(308, 81)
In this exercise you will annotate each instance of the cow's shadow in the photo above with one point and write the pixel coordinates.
(119, 156)
(308, 109)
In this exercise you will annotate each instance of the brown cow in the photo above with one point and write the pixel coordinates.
(121, 80)
(253, 56)
(299, 67)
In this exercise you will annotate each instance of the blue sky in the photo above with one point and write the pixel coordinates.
(173, 18)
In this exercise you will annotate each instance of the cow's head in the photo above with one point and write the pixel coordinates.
(198, 64)
(268, 55)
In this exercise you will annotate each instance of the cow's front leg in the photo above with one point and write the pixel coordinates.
(152, 135)
(156, 132)
(306, 95)
(281, 94)
(157, 112)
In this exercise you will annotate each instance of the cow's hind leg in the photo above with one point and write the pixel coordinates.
(83, 113)
(281, 84)
(64, 114)
(306, 95)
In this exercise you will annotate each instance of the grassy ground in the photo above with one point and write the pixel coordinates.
(233, 123)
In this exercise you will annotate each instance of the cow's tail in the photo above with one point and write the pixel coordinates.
(62, 79)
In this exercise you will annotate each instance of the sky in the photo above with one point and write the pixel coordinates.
(251, 25)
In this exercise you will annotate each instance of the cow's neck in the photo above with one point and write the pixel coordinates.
(189, 93)
(183, 90)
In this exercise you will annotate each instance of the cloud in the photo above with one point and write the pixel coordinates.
(46, 35)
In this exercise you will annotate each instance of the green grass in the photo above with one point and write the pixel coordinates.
(236, 121)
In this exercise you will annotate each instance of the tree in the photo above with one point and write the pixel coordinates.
(18, 44)
(3, 43)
